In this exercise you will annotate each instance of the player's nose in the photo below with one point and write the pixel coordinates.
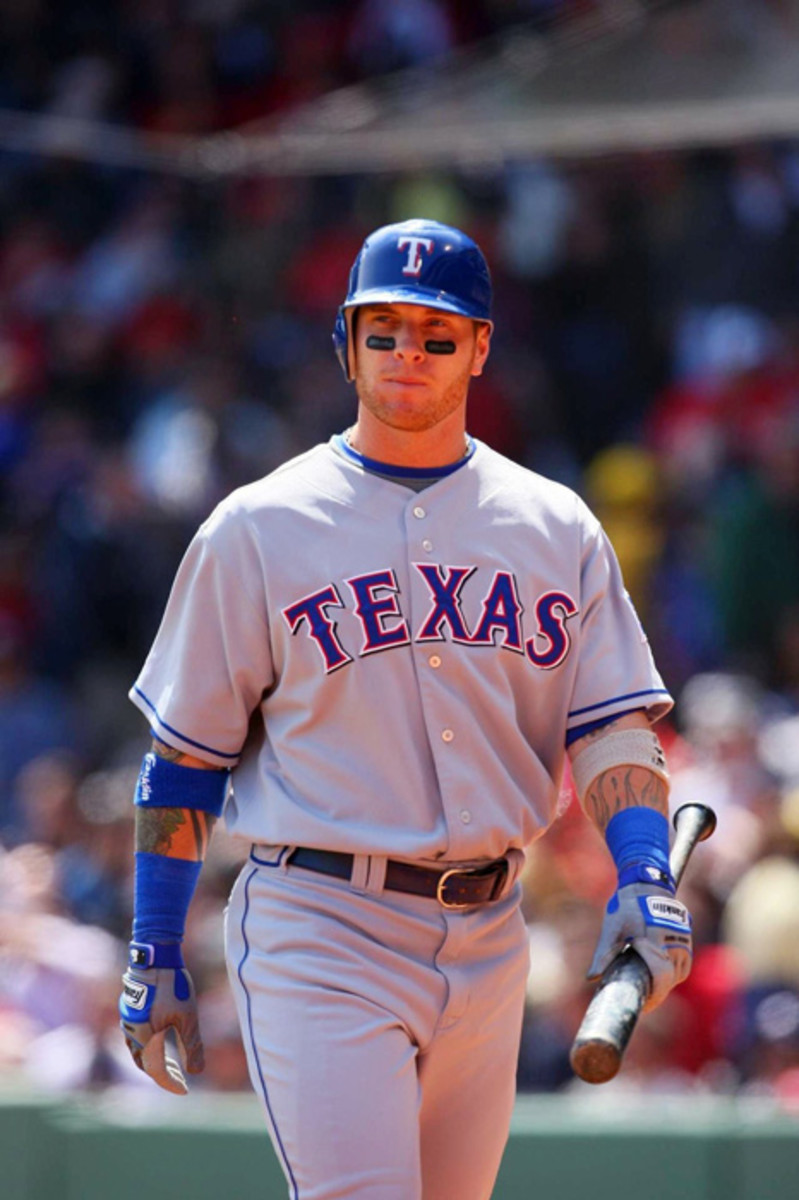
(408, 342)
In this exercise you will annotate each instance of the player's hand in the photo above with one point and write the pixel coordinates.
(158, 1012)
(649, 918)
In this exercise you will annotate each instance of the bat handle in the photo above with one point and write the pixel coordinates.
(611, 1017)
(692, 823)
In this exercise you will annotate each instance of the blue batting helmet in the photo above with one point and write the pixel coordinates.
(415, 262)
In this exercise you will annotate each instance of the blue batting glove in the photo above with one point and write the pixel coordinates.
(644, 913)
(158, 1015)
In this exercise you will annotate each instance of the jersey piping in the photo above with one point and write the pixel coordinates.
(587, 727)
(256, 1056)
(578, 712)
(177, 733)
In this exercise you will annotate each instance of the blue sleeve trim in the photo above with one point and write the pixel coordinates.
(189, 741)
(577, 712)
(165, 784)
(591, 726)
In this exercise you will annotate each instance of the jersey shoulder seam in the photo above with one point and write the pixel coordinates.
(531, 478)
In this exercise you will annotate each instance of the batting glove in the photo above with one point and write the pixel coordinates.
(158, 1012)
(647, 917)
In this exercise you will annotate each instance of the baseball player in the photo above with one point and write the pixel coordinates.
(375, 660)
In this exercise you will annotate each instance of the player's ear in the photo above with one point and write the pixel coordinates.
(351, 317)
(482, 344)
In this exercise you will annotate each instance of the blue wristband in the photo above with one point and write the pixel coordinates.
(638, 839)
(155, 954)
(163, 888)
(164, 784)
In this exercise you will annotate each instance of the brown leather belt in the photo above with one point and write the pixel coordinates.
(453, 887)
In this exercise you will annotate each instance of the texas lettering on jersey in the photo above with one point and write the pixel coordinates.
(374, 599)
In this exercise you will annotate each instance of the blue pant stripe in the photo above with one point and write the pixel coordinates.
(263, 863)
(295, 1191)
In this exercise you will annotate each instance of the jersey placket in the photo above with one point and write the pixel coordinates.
(433, 658)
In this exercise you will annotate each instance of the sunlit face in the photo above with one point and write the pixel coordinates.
(410, 387)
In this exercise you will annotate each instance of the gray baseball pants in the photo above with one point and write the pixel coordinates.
(381, 1030)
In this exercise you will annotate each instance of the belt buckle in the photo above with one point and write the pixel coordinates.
(498, 885)
(442, 879)
(439, 889)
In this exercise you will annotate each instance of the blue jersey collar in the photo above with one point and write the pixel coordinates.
(381, 468)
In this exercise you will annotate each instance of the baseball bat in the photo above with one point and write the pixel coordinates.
(611, 1016)
(163, 1059)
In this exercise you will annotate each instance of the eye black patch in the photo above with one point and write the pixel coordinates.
(376, 342)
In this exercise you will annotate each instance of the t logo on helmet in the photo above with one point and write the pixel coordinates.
(414, 264)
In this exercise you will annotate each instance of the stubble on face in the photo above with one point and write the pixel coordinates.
(419, 413)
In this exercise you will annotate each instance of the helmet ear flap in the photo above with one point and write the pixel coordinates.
(341, 342)
(344, 340)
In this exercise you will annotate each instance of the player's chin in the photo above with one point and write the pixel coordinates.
(405, 414)
(411, 422)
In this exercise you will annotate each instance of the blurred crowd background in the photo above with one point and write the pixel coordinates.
(163, 340)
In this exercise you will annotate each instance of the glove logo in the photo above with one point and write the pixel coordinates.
(670, 911)
(134, 994)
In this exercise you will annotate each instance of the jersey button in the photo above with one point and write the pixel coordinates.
(447, 735)
(427, 545)
(466, 816)
(435, 663)
(419, 512)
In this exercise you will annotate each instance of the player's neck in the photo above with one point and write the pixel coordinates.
(437, 447)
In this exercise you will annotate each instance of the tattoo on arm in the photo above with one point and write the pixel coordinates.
(174, 832)
(164, 750)
(167, 752)
(595, 734)
(625, 787)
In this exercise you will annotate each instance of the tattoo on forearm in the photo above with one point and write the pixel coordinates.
(625, 787)
(174, 832)
(167, 752)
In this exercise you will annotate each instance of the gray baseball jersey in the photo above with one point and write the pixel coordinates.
(390, 672)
